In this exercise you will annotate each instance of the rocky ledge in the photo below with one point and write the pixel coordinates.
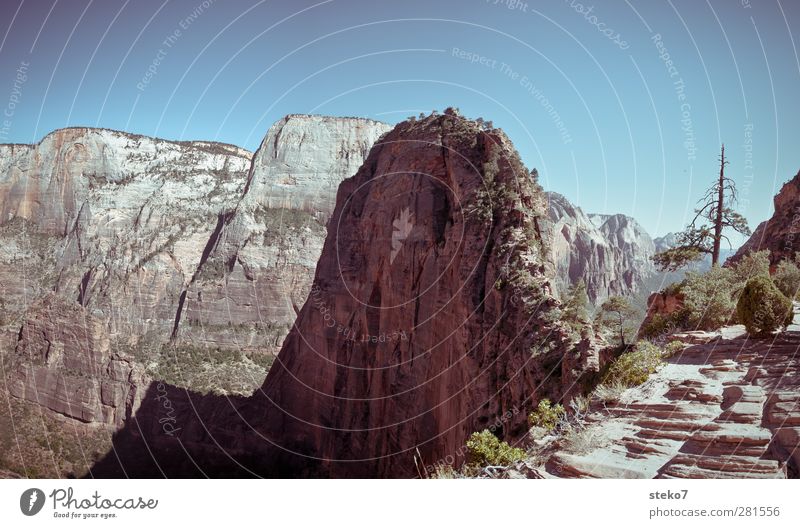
(725, 408)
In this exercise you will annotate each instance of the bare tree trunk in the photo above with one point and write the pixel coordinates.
(720, 205)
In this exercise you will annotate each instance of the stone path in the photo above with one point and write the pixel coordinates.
(727, 408)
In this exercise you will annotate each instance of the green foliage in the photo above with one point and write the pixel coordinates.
(444, 471)
(662, 324)
(753, 264)
(677, 257)
(485, 449)
(575, 310)
(634, 366)
(762, 308)
(709, 298)
(209, 370)
(787, 278)
(673, 347)
(614, 314)
(546, 415)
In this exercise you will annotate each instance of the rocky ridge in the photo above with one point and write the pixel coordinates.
(724, 407)
(261, 259)
(95, 268)
(112, 221)
(101, 231)
(378, 369)
(104, 233)
(610, 253)
(779, 234)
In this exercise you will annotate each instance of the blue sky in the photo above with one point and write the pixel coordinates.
(585, 90)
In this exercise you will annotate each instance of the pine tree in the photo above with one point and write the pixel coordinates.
(575, 310)
(707, 229)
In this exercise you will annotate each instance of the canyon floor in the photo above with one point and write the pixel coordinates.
(727, 406)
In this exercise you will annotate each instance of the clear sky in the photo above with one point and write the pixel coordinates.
(621, 105)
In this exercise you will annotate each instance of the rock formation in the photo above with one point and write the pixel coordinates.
(611, 253)
(726, 407)
(101, 231)
(429, 316)
(113, 244)
(64, 362)
(114, 222)
(781, 233)
(261, 258)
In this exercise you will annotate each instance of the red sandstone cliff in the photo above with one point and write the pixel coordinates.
(429, 317)
(781, 233)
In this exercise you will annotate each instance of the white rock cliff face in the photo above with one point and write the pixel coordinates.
(114, 221)
(262, 259)
(100, 232)
(611, 253)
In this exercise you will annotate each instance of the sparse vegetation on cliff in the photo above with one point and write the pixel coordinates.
(209, 370)
(787, 278)
(634, 366)
(485, 449)
(546, 415)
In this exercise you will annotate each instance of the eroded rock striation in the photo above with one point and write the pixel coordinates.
(429, 316)
(260, 261)
(112, 221)
(101, 232)
(64, 362)
(610, 253)
(724, 407)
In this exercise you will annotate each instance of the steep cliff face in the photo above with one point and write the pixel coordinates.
(117, 229)
(64, 362)
(611, 253)
(428, 318)
(100, 232)
(781, 233)
(112, 221)
(261, 260)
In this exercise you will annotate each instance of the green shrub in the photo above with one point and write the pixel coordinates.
(673, 347)
(787, 278)
(633, 367)
(546, 415)
(753, 264)
(762, 308)
(485, 449)
(663, 324)
(709, 298)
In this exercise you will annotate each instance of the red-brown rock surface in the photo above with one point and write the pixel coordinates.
(724, 409)
(781, 233)
(64, 363)
(661, 304)
(428, 317)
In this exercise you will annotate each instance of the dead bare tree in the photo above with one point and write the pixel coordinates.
(705, 232)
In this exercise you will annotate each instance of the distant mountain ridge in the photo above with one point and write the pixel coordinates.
(610, 253)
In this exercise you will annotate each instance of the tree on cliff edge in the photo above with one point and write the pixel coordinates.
(705, 232)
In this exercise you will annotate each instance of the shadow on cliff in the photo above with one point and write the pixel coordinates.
(177, 433)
